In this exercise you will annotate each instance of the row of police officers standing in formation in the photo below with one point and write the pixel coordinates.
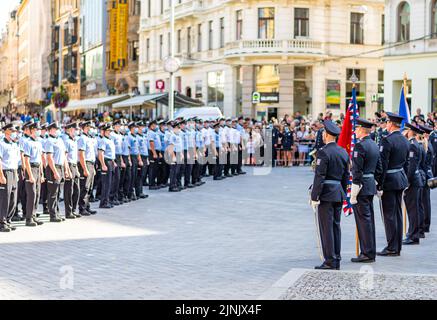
(39, 162)
(396, 167)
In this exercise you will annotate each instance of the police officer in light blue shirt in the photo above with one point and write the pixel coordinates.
(9, 156)
(126, 178)
(162, 165)
(72, 183)
(137, 162)
(154, 143)
(87, 158)
(57, 170)
(33, 172)
(116, 136)
(42, 138)
(175, 157)
(144, 154)
(107, 163)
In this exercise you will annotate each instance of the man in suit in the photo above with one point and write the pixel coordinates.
(328, 193)
(366, 165)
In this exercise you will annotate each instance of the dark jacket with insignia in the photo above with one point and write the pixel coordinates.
(417, 160)
(394, 156)
(433, 142)
(366, 166)
(319, 140)
(430, 158)
(332, 174)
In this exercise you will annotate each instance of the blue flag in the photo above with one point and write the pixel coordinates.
(404, 111)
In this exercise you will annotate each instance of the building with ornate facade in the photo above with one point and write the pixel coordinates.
(122, 45)
(411, 29)
(34, 22)
(295, 55)
(65, 45)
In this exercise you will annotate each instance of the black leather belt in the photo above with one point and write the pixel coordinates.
(35, 165)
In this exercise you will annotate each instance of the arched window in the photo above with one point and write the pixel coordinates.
(404, 21)
(434, 19)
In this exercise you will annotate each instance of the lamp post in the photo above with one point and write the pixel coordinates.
(171, 63)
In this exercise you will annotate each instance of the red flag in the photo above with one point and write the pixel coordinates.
(345, 139)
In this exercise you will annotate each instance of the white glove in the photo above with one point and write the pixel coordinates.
(354, 193)
(314, 204)
(379, 194)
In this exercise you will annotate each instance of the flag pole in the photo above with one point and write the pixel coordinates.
(357, 239)
(404, 211)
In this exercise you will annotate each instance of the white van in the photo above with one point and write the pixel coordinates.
(204, 113)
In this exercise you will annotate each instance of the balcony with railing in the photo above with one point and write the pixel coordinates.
(185, 9)
(271, 46)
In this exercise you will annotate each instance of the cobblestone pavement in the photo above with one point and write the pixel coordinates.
(322, 285)
(231, 239)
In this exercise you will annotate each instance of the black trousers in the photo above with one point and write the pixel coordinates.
(160, 179)
(365, 220)
(126, 177)
(412, 202)
(86, 186)
(174, 172)
(188, 165)
(107, 183)
(72, 190)
(54, 189)
(98, 180)
(116, 178)
(218, 168)
(227, 164)
(8, 196)
(426, 200)
(240, 159)
(153, 171)
(330, 232)
(43, 196)
(143, 171)
(33, 191)
(21, 190)
(135, 176)
(392, 207)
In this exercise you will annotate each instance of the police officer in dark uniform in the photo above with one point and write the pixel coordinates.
(275, 141)
(381, 132)
(33, 174)
(319, 136)
(329, 192)
(366, 165)
(426, 192)
(393, 181)
(416, 183)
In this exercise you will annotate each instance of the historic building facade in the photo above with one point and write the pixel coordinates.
(268, 58)
(65, 45)
(34, 21)
(411, 29)
(122, 44)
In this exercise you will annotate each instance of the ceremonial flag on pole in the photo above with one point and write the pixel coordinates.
(347, 140)
(404, 110)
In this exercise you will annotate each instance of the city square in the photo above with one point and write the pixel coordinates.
(271, 152)
(237, 239)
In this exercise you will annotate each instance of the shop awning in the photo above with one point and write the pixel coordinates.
(181, 101)
(138, 101)
(94, 103)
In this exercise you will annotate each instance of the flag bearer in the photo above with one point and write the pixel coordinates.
(366, 165)
(329, 192)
